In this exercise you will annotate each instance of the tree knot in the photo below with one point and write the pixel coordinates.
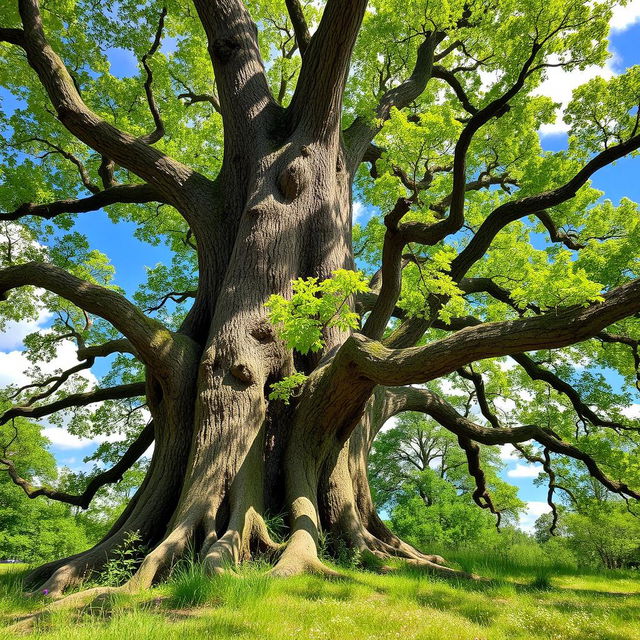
(242, 372)
(224, 48)
(293, 180)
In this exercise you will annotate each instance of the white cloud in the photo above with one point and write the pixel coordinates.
(447, 387)
(559, 86)
(64, 440)
(508, 453)
(625, 17)
(524, 471)
(632, 411)
(15, 332)
(534, 510)
(389, 424)
(507, 405)
(14, 364)
(357, 211)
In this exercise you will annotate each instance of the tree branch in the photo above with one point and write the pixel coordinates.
(432, 404)
(76, 400)
(119, 194)
(158, 132)
(106, 349)
(585, 413)
(243, 91)
(511, 211)
(317, 101)
(563, 327)
(300, 28)
(134, 154)
(113, 475)
(148, 336)
(362, 130)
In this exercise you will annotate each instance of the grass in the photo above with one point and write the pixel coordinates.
(522, 601)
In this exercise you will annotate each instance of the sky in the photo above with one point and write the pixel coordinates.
(131, 257)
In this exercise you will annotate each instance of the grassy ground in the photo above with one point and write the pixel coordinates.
(518, 602)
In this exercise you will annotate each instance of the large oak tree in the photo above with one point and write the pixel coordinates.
(240, 146)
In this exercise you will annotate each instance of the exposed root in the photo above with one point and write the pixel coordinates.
(301, 556)
(27, 623)
(158, 561)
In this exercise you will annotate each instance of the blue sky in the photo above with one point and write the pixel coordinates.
(131, 257)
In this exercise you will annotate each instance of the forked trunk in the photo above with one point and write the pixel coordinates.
(224, 454)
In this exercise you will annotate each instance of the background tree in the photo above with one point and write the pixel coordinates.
(419, 476)
(32, 531)
(241, 150)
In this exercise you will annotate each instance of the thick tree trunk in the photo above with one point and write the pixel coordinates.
(224, 453)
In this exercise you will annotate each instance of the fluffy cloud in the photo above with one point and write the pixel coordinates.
(358, 211)
(625, 17)
(524, 471)
(15, 332)
(62, 439)
(14, 364)
(534, 510)
(508, 453)
(559, 86)
(632, 411)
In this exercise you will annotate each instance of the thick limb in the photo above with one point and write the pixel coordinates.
(134, 154)
(157, 347)
(114, 474)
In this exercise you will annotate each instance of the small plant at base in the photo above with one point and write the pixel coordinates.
(124, 562)
(276, 526)
(336, 549)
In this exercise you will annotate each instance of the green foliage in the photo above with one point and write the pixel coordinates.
(34, 530)
(285, 388)
(123, 561)
(419, 475)
(314, 306)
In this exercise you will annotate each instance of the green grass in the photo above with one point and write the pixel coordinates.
(520, 601)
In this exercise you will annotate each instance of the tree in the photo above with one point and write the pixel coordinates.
(420, 476)
(34, 531)
(425, 110)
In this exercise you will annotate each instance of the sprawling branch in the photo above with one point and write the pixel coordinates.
(148, 336)
(511, 211)
(174, 296)
(106, 349)
(158, 132)
(119, 194)
(433, 405)
(132, 153)
(362, 131)
(481, 495)
(317, 102)
(75, 400)
(111, 476)
(450, 78)
(54, 148)
(53, 383)
(419, 364)
(585, 413)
